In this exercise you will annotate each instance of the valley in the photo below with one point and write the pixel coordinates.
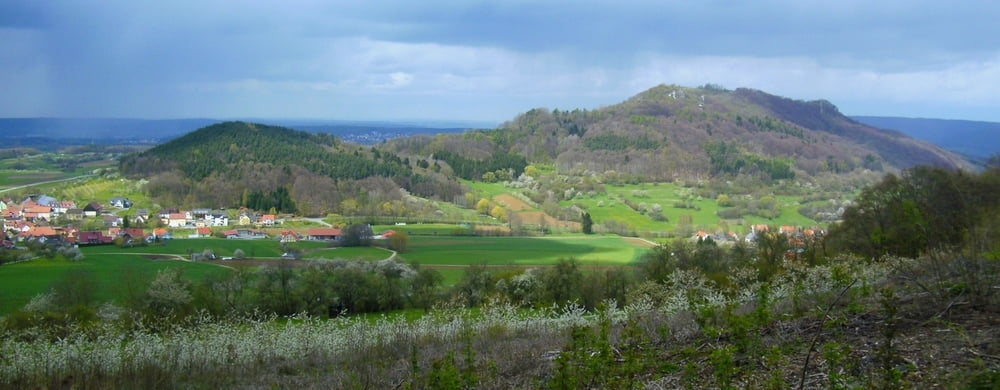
(686, 237)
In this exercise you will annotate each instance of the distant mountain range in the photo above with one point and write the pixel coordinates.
(55, 132)
(970, 138)
(976, 141)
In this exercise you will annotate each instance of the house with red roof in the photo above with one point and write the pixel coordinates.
(5, 241)
(244, 234)
(13, 212)
(323, 234)
(93, 238)
(39, 232)
(289, 236)
(37, 213)
(177, 220)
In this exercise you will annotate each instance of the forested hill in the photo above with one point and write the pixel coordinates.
(670, 132)
(224, 164)
(225, 148)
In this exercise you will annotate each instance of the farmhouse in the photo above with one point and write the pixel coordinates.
(323, 234)
(289, 236)
(134, 232)
(244, 234)
(161, 233)
(177, 220)
(17, 225)
(200, 213)
(74, 214)
(93, 238)
(112, 220)
(40, 233)
(37, 213)
(63, 207)
(12, 212)
(92, 209)
(247, 218)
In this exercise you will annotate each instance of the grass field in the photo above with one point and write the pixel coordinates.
(451, 256)
(110, 265)
(41, 168)
(22, 281)
(521, 251)
(354, 253)
(10, 178)
(427, 229)
(221, 247)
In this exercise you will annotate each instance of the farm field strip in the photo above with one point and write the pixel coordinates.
(520, 251)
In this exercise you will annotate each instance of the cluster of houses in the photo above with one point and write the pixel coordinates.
(30, 218)
(797, 236)
(47, 220)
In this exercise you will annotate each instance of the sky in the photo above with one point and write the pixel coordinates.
(487, 61)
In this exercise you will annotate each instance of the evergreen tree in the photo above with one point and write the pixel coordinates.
(587, 223)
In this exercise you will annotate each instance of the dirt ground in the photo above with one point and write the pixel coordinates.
(511, 203)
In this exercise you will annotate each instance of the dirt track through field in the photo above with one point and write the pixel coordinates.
(511, 203)
(641, 242)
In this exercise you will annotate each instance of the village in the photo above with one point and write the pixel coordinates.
(44, 219)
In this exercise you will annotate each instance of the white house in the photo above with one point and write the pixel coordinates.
(219, 219)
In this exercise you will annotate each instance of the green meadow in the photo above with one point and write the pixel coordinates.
(427, 229)
(11, 178)
(22, 281)
(521, 251)
(220, 246)
(351, 253)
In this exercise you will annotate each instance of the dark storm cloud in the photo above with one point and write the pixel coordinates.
(486, 60)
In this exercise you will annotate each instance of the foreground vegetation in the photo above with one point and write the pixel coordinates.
(851, 325)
